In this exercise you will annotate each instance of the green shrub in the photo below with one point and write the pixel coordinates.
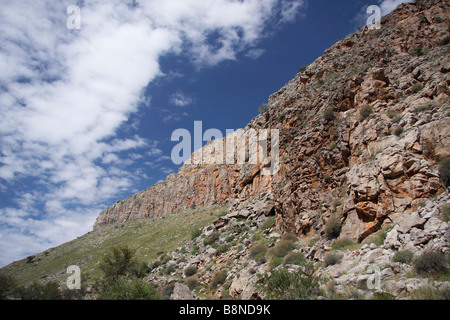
(444, 171)
(333, 228)
(328, 114)
(190, 271)
(445, 41)
(365, 112)
(378, 237)
(294, 258)
(269, 223)
(263, 108)
(285, 285)
(382, 296)
(398, 131)
(223, 248)
(302, 68)
(38, 291)
(130, 290)
(332, 145)
(257, 249)
(403, 256)
(167, 291)
(219, 277)
(430, 293)
(332, 258)
(430, 262)
(8, 285)
(195, 234)
(445, 212)
(212, 238)
(282, 248)
(343, 243)
(289, 237)
(416, 88)
(192, 282)
(119, 261)
(275, 262)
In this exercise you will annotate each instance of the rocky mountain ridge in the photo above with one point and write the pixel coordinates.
(365, 123)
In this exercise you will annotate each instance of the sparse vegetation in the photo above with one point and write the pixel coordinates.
(445, 41)
(332, 258)
(299, 285)
(333, 228)
(365, 112)
(416, 88)
(444, 171)
(219, 277)
(398, 131)
(263, 108)
(282, 248)
(328, 114)
(190, 271)
(403, 256)
(430, 262)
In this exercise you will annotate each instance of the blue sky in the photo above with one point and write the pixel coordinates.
(86, 115)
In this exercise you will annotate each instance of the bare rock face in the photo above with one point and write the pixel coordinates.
(361, 132)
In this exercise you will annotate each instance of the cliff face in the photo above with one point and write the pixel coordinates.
(361, 131)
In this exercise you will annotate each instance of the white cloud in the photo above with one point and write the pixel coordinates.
(66, 93)
(181, 99)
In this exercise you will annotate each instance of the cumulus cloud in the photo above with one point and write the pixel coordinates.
(65, 94)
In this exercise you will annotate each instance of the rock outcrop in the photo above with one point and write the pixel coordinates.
(361, 131)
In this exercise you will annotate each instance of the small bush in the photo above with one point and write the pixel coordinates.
(444, 171)
(282, 248)
(332, 258)
(333, 228)
(404, 256)
(289, 237)
(167, 291)
(195, 234)
(192, 282)
(119, 261)
(275, 262)
(222, 249)
(263, 108)
(365, 112)
(269, 223)
(219, 277)
(398, 131)
(445, 41)
(416, 88)
(445, 212)
(212, 238)
(190, 271)
(343, 243)
(332, 145)
(302, 68)
(257, 249)
(430, 293)
(328, 114)
(430, 262)
(130, 290)
(282, 284)
(294, 258)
